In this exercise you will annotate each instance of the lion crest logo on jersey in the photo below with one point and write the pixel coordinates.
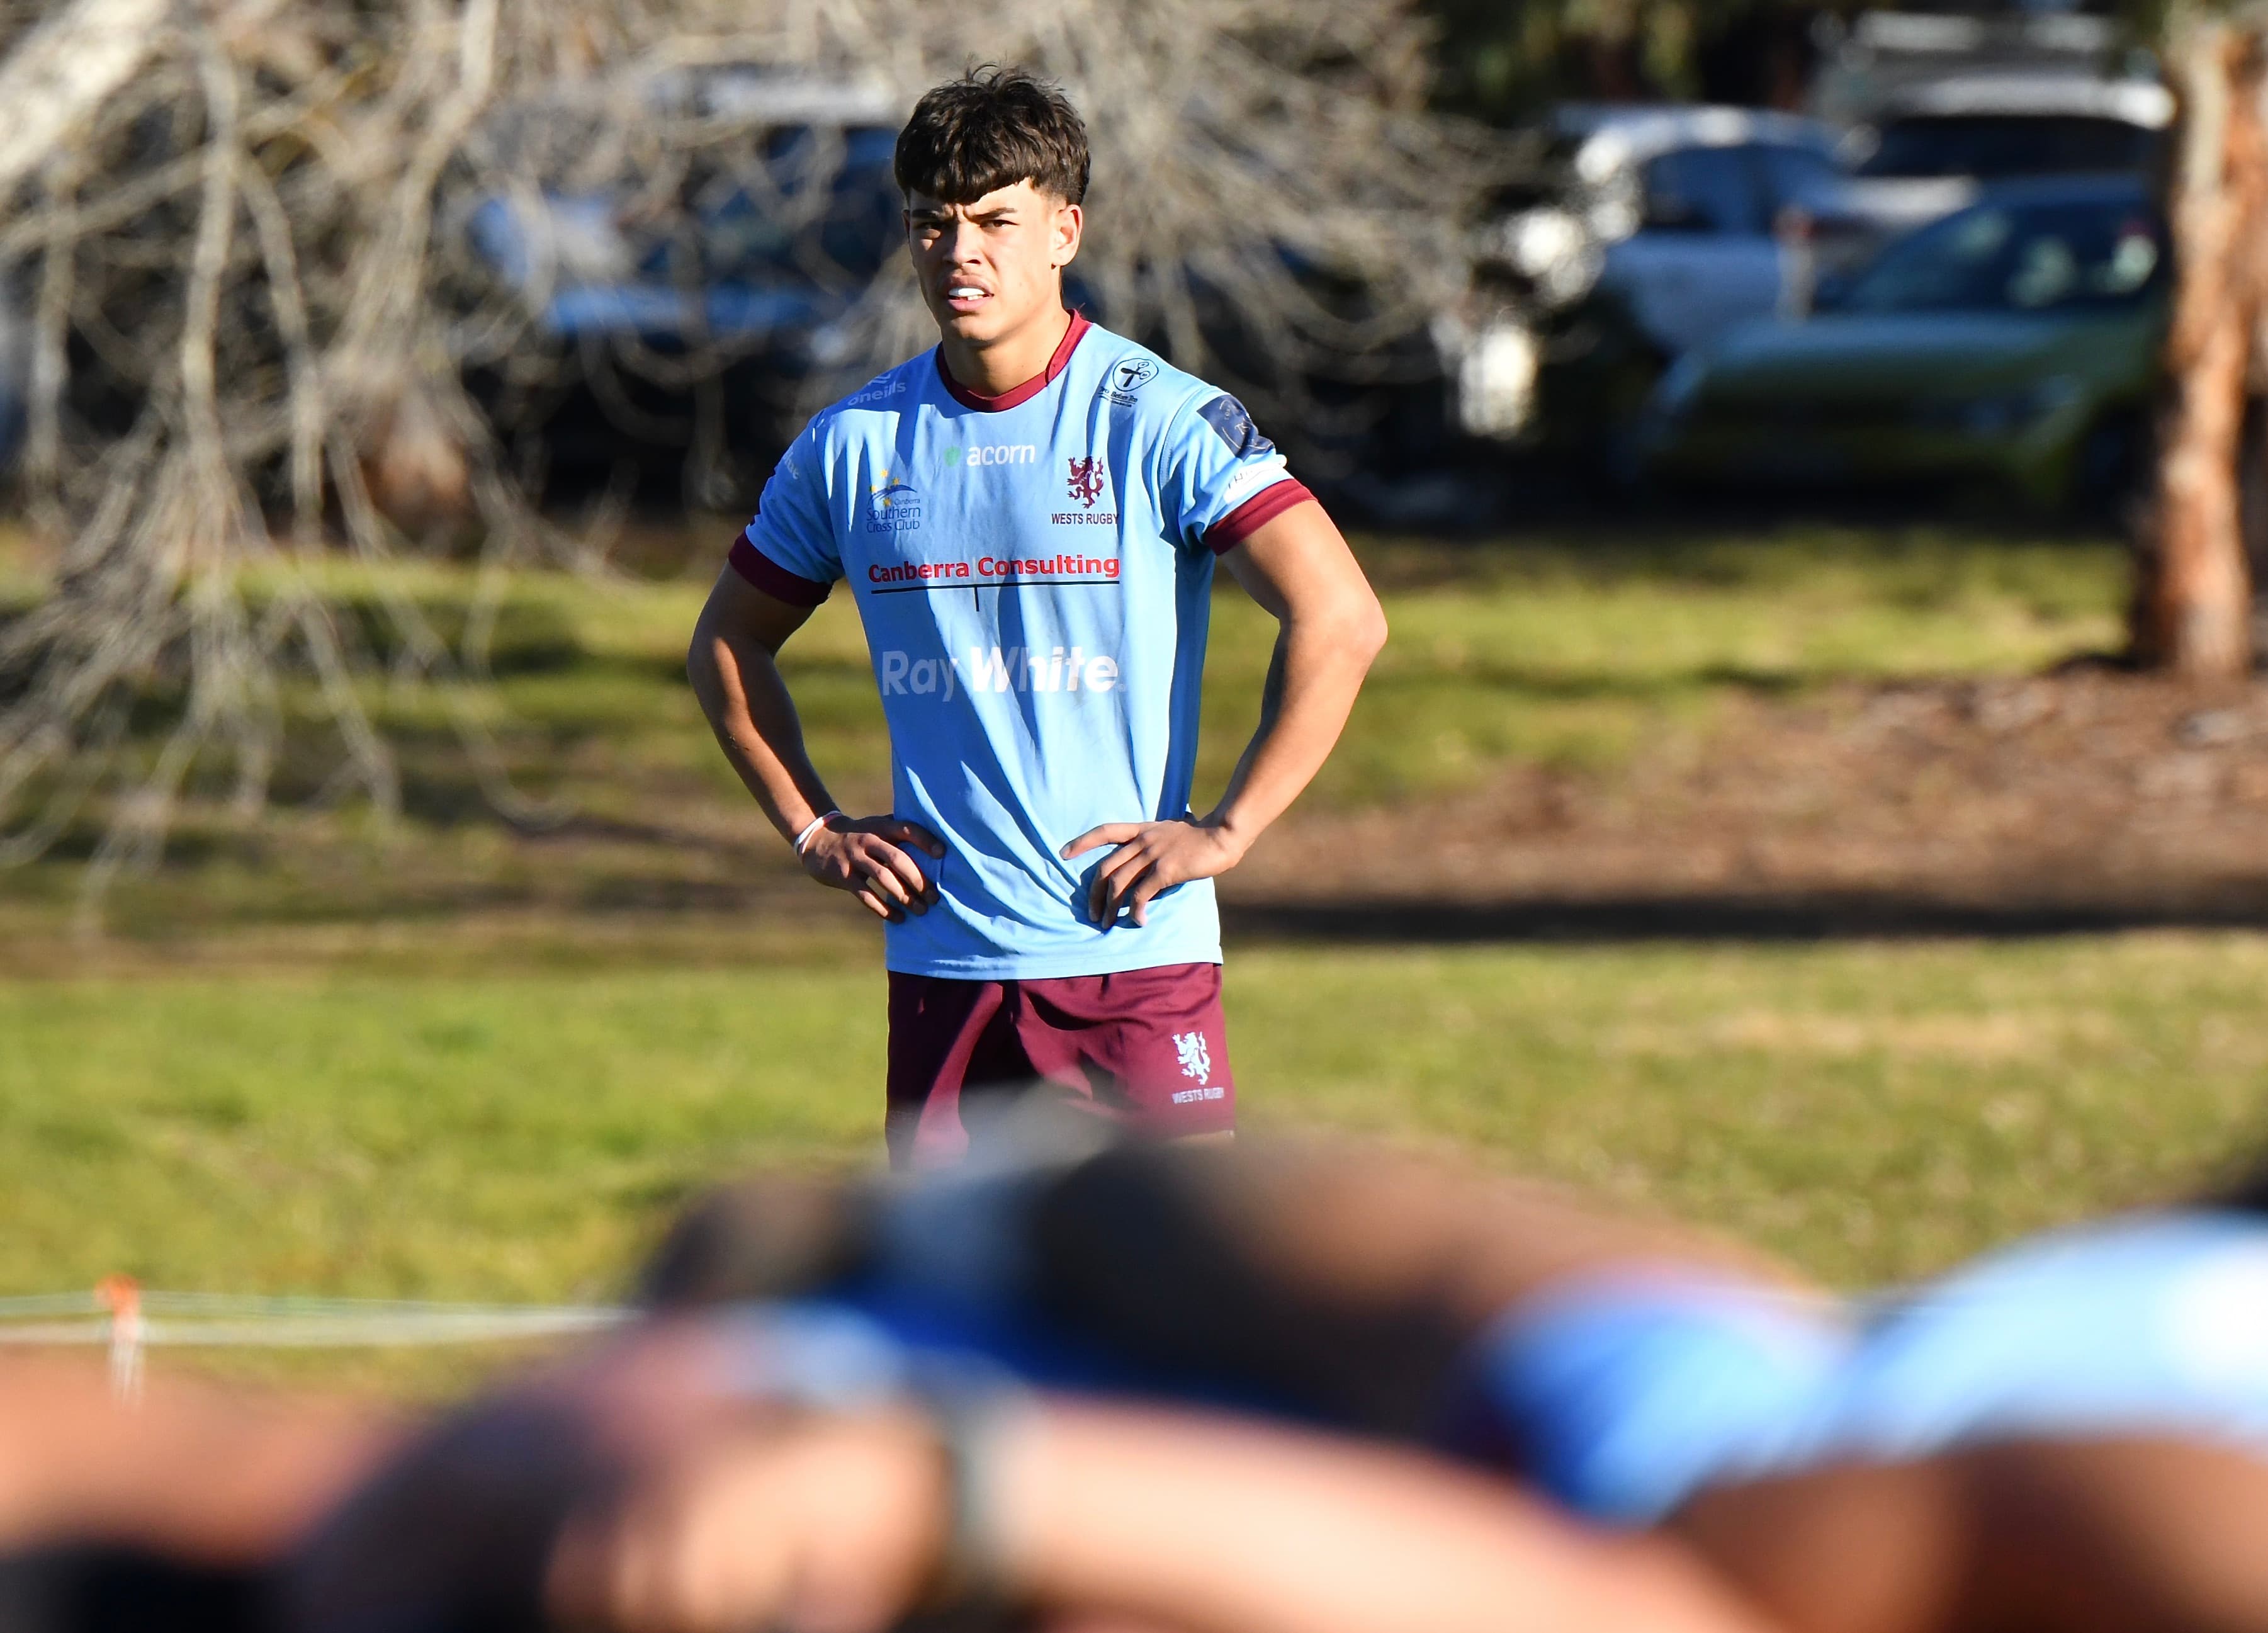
(1197, 1059)
(1088, 479)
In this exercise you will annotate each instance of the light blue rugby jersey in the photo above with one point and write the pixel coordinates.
(1623, 1391)
(1034, 573)
(2153, 1323)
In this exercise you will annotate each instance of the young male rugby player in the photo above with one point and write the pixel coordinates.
(1029, 517)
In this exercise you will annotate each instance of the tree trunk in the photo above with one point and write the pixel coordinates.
(2193, 605)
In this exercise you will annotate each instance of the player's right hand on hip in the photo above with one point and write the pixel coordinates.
(878, 859)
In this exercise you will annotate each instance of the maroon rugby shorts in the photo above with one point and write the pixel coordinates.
(1145, 1048)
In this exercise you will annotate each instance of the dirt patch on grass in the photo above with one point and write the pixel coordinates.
(2076, 800)
(2082, 801)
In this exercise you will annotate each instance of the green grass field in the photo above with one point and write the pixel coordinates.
(442, 1060)
(1870, 1110)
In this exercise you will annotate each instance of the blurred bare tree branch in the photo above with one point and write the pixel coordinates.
(239, 231)
(63, 70)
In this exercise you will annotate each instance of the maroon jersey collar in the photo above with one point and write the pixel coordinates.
(1030, 388)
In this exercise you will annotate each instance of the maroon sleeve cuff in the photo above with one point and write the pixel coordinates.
(1256, 513)
(774, 579)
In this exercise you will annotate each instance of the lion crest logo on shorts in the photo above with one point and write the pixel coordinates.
(1197, 1059)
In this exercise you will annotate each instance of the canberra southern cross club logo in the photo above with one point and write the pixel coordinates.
(1087, 478)
(892, 507)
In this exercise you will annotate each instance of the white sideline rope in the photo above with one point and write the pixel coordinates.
(327, 1332)
(129, 1320)
(221, 1318)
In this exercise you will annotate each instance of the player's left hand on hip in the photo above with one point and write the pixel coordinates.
(1151, 857)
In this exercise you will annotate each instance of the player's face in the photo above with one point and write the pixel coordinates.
(990, 267)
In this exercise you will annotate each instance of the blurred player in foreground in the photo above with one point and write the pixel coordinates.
(2068, 1436)
(800, 1471)
(2069, 1433)
(1028, 517)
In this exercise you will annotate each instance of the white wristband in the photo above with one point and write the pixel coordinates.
(817, 822)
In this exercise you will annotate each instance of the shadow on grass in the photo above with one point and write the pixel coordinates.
(1797, 915)
(1515, 682)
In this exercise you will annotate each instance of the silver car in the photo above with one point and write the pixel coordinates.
(1668, 218)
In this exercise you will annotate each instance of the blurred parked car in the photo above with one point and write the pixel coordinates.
(1932, 148)
(736, 298)
(2016, 340)
(721, 301)
(1644, 231)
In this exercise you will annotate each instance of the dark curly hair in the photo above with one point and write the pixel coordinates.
(990, 128)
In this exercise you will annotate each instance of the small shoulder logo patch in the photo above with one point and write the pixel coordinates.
(1226, 416)
(1127, 377)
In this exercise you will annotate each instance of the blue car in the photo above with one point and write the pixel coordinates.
(726, 302)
